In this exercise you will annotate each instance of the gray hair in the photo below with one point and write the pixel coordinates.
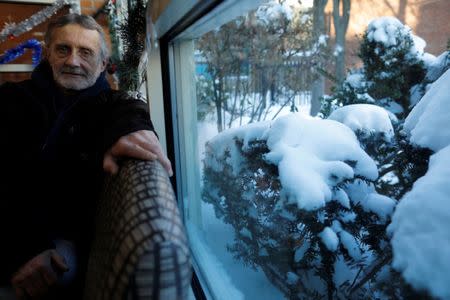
(84, 21)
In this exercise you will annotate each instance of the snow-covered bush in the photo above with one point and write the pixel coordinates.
(393, 76)
(421, 241)
(435, 69)
(393, 62)
(299, 194)
(311, 200)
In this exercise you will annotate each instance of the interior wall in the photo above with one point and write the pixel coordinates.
(158, 8)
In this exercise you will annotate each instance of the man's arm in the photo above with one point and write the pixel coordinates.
(129, 132)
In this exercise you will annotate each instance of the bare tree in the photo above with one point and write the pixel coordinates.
(341, 17)
(318, 85)
(253, 63)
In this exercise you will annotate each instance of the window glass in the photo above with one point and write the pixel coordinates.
(291, 119)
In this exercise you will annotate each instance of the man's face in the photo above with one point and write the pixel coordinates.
(74, 55)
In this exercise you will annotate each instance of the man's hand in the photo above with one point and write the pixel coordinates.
(141, 144)
(40, 273)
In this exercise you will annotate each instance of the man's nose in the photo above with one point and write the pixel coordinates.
(73, 59)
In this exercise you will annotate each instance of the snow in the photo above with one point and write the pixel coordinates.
(366, 118)
(320, 147)
(338, 49)
(356, 80)
(300, 252)
(429, 122)
(329, 239)
(358, 190)
(419, 45)
(420, 224)
(387, 31)
(381, 205)
(222, 143)
(350, 244)
(364, 194)
(322, 41)
(415, 94)
(347, 240)
(341, 197)
(347, 216)
(312, 157)
(272, 11)
(384, 30)
(438, 66)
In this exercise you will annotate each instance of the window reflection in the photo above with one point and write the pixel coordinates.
(291, 206)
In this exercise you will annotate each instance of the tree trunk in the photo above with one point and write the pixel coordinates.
(317, 91)
(218, 103)
(318, 85)
(340, 21)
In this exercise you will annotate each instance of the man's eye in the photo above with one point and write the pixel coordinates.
(62, 50)
(86, 53)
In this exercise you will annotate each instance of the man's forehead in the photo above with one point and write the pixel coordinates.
(76, 34)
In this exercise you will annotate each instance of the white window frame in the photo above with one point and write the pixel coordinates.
(16, 68)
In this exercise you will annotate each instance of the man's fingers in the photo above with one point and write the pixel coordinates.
(141, 144)
(166, 164)
(59, 262)
(49, 277)
(31, 287)
(109, 164)
(155, 148)
(36, 285)
(128, 148)
(21, 275)
(20, 293)
(148, 140)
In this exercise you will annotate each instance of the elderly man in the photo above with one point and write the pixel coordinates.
(60, 132)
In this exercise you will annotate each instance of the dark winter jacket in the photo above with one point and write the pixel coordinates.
(52, 149)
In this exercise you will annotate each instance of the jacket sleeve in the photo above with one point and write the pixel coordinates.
(22, 227)
(123, 115)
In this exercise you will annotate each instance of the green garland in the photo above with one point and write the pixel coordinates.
(131, 34)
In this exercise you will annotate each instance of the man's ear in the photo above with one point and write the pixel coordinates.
(104, 64)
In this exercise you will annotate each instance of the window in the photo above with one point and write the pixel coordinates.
(275, 211)
(210, 64)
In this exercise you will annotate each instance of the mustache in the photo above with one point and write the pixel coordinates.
(73, 70)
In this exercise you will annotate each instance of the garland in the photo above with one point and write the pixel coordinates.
(128, 36)
(18, 51)
(13, 30)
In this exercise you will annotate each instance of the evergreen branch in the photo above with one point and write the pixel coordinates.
(387, 170)
(373, 270)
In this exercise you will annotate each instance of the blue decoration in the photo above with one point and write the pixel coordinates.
(18, 51)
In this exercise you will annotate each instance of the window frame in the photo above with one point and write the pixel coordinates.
(175, 32)
(166, 52)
